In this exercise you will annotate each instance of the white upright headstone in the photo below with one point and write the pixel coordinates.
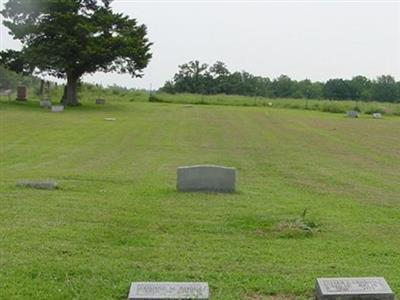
(377, 115)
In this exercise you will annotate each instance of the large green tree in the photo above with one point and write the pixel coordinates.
(384, 89)
(70, 38)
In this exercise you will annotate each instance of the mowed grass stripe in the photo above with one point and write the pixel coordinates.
(117, 217)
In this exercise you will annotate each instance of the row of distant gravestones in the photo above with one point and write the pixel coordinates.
(368, 288)
(22, 95)
(356, 114)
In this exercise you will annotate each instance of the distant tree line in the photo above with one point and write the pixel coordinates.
(200, 78)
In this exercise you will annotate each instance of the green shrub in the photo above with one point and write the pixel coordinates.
(373, 110)
(333, 108)
(154, 98)
(297, 227)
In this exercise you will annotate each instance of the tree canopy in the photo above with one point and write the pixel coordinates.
(196, 77)
(70, 38)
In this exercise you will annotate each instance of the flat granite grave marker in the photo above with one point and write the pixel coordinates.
(168, 290)
(38, 184)
(352, 114)
(366, 288)
(206, 178)
(57, 108)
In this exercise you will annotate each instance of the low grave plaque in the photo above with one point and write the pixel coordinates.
(100, 101)
(38, 184)
(206, 178)
(57, 108)
(366, 288)
(168, 290)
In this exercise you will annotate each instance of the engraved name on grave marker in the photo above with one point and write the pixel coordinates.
(353, 288)
(168, 290)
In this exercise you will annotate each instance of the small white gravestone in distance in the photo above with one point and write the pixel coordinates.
(366, 288)
(57, 108)
(206, 178)
(168, 290)
(377, 115)
(109, 119)
(352, 114)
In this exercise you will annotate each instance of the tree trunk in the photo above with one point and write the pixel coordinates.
(41, 89)
(71, 98)
(64, 96)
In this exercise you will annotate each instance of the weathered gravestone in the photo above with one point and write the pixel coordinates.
(7, 92)
(367, 288)
(38, 184)
(100, 101)
(206, 178)
(22, 93)
(45, 103)
(168, 290)
(57, 108)
(352, 114)
(377, 115)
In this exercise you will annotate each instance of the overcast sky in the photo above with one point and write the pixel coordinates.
(302, 39)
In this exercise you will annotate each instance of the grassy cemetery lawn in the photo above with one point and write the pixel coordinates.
(318, 195)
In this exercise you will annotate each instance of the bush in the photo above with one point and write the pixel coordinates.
(297, 227)
(154, 98)
(373, 110)
(333, 108)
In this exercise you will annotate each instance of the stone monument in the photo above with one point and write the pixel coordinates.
(206, 178)
(100, 101)
(22, 93)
